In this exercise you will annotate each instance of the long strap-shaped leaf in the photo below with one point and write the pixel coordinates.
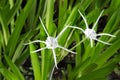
(14, 68)
(35, 63)
(13, 11)
(108, 53)
(19, 24)
(8, 75)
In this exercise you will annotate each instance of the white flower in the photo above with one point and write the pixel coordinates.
(91, 33)
(51, 43)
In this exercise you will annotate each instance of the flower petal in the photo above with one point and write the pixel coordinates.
(84, 19)
(54, 56)
(77, 28)
(61, 32)
(105, 34)
(35, 42)
(91, 43)
(39, 50)
(102, 42)
(43, 26)
(97, 19)
(67, 49)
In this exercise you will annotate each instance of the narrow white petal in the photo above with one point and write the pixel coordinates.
(67, 49)
(62, 32)
(39, 50)
(105, 34)
(34, 42)
(77, 28)
(43, 26)
(102, 42)
(55, 60)
(51, 74)
(84, 19)
(98, 19)
(91, 43)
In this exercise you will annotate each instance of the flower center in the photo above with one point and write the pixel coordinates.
(90, 33)
(51, 43)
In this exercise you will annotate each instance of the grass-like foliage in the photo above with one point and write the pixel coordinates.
(36, 35)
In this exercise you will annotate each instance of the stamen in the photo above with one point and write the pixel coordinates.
(51, 43)
(90, 33)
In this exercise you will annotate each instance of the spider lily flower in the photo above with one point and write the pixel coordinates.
(91, 33)
(51, 43)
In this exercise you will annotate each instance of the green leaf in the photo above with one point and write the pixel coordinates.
(69, 69)
(102, 3)
(4, 26)
(89, 68)
(113, 60)
(79, 50)
(49, 16)
(35, 63)
(14, 68)
(108, 53)
(19, 24)
(100, 73)
(19, 55)
(8, 75)
(10, 15)
(62, 15)
(22, 57)
(85, 4)
(77, 71)
(114, 5)
(11, 2)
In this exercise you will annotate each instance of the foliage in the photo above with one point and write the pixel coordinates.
(19, 24)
